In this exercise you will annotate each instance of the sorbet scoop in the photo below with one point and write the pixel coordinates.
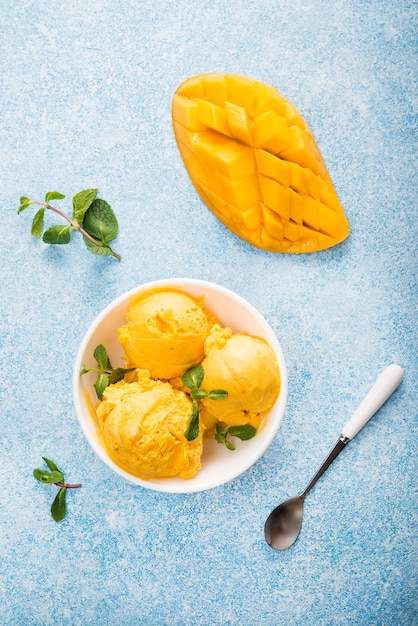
(284, 523)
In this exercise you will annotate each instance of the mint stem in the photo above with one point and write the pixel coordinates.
(99, 370)
(75, 225)
(68, 486)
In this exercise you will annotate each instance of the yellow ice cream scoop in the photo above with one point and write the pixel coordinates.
(143, 424)
(165, 332)
(246, 367)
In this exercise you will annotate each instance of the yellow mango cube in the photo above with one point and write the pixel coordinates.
(271, 166)
(275, 196)
(215, 87)
(212, 116)
(239, 123)
(186, 113)
(271, 132)
(251, 217)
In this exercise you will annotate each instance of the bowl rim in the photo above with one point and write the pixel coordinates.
(164, 485)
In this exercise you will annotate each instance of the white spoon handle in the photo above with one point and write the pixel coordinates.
(385, 385)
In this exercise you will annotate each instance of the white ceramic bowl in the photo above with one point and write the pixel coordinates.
(219, 465)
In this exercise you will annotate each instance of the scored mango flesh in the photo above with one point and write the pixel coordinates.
(255, 163)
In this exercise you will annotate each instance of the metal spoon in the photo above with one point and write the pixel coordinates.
(283, 525)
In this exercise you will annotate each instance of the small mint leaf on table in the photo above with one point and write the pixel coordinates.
(24, 203)
(82, 202)
(58, 507)
(57, 235)
(51, 464)
(38, 223)
(53, 195)
(103, 250)
(57, 477)
(92, 217)
(45, 477)
(42, 475)
(100, 221)
(192, 431)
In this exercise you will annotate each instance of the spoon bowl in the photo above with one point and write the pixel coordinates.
(284, 524)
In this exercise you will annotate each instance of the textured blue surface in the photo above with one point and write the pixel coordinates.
(85, 98)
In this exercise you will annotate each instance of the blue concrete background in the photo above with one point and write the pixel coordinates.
(85, 96)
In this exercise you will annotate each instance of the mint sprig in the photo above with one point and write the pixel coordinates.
(192, 431)
(55, 477)
(193, 378)
(92, 217)
(244, 432)
(107, 375)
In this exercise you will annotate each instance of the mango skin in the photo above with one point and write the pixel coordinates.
(255, 164)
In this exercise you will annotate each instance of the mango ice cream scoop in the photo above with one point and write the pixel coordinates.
(165, 332)
(247, 368)
(143, 424)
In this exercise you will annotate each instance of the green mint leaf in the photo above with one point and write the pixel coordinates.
(53, 195)
(82, 202)
(217, 394)
(24, 203)
(220, 438)
(57, 235)
(118, 374)
(51, 464)
(85, 369)
(100, 385)
(104, 250)
(42, 475)
(38, 223)
(58, 507)
(199, 394)
(193, 377)
(192, 430)
(100, 221)
(57, 477)
(100, 354)
(244, 432)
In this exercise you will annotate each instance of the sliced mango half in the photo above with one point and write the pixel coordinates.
(255, 164)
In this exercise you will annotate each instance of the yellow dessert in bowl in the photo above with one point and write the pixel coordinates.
(165, 332)
(138, 429)
(143, 424)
